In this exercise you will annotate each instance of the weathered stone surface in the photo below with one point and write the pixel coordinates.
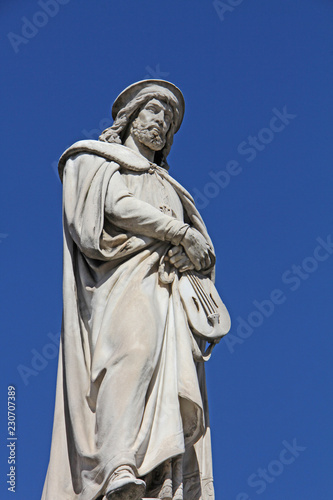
(139, 304)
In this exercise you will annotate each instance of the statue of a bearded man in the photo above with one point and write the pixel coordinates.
(131, 417)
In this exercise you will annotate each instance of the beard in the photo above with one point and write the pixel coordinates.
(149, 137)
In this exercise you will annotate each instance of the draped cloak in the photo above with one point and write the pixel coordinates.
(131, 388)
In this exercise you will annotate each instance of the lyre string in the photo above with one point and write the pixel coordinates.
(211, 303)
(202, 293)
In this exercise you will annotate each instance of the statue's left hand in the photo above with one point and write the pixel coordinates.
(179, 259)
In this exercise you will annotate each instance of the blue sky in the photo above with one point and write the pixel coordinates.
(254, 149)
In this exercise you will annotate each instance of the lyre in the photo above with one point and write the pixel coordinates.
(207, 315)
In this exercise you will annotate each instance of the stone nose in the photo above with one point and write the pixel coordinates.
(159, 117)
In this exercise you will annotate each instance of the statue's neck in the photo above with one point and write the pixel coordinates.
(133, 143)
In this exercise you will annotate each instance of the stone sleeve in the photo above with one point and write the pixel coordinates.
(127, 212)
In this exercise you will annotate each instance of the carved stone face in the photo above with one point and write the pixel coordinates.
(152, 124)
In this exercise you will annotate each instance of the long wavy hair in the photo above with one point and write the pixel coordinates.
(118, 131)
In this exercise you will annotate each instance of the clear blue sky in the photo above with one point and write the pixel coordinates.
(255, 148)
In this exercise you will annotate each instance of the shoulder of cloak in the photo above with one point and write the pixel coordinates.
(118, 153)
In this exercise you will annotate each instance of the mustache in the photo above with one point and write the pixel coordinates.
(152, 127)
(156, 127)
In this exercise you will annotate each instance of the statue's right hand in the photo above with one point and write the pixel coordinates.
(196, 249)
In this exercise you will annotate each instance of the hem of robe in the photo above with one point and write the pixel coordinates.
(159, 457)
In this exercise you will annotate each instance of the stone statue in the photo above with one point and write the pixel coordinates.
(131, 417)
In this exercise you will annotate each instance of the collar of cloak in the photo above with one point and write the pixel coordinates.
(124, 156)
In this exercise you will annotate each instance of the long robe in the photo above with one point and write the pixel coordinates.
(130, 389)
